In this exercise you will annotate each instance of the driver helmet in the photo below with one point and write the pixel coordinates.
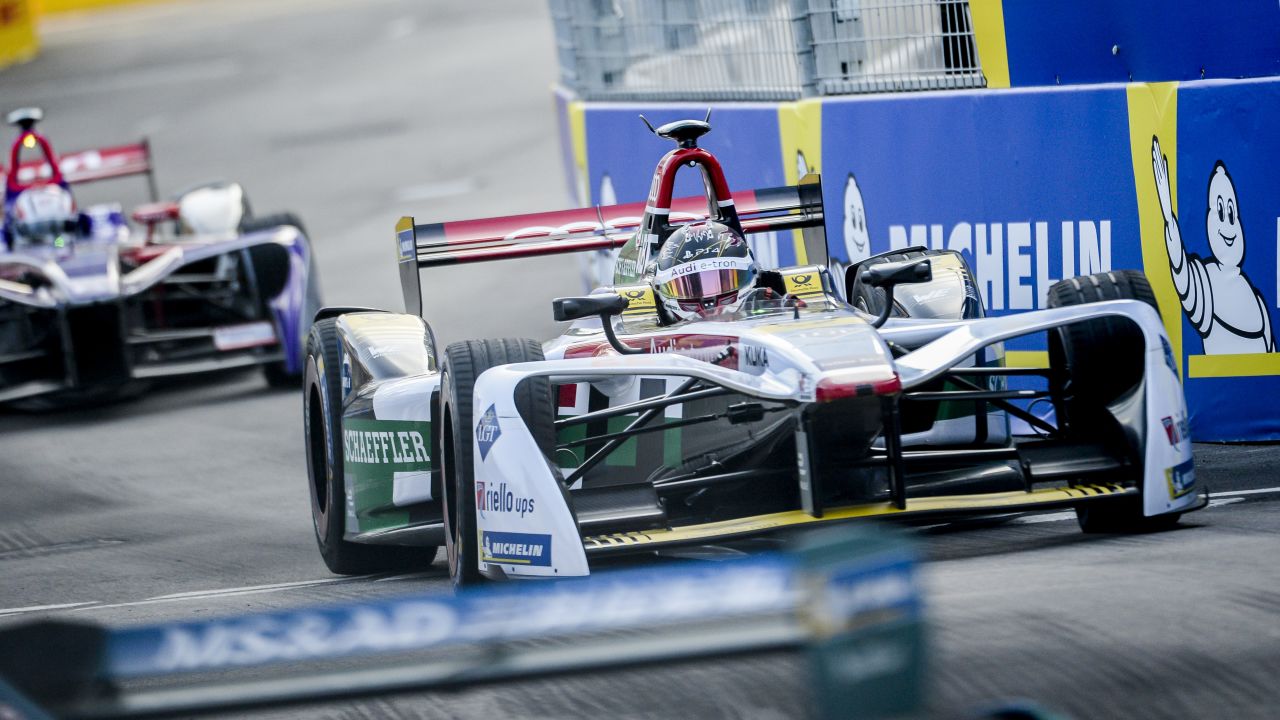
(42, 214)
(703, 266)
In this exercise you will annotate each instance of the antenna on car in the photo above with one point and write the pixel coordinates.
(648, 124)
(25, 118)
(707, 119)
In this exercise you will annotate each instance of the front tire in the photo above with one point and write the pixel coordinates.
(1122, 516)
(1104, 360)
(463, 363)
(322, 426)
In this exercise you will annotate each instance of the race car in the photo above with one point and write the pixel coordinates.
(702, 398)
(92, 307)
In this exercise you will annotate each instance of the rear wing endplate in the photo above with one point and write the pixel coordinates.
(792, 207)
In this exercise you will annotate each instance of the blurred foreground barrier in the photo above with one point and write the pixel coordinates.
(847, 596)
(18, 40)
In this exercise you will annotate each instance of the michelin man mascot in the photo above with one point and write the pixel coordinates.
(857, 240)
(1226, 309)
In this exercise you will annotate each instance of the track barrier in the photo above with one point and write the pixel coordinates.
(847, 597)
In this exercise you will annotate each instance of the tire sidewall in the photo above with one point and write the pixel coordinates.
(327, 523)
(458, 481)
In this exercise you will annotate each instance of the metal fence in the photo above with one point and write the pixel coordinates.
(761, 49)
(863, 46)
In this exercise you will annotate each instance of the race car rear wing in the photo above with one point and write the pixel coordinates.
(792, 207)
(85, 166)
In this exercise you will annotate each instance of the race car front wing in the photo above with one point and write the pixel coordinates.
(537, 533)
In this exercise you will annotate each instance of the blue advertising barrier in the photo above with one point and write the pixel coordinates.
(1097, 41)
(1031, 186)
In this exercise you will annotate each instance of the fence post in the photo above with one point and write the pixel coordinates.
(802, 35)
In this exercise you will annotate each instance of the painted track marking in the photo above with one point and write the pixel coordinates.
(178, 597)
(247, 589)
(38, 608)
(1255, 491)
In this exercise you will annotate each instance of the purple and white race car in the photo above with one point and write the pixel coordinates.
(91, 305)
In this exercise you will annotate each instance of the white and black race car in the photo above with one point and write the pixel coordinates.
(817, 401)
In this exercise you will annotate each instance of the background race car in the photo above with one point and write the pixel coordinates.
(90, 306)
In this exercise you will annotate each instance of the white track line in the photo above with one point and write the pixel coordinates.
(1256, 491)
(197, 594)
(224, 592)
(38, 608)
(201, 594)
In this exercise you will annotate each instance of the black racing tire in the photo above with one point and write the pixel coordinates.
(278, 376)
(463, 363)
(1123, 515)
(272, 270)
(1103, 359)
(322, 425)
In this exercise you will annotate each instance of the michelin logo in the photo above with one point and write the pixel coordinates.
(1002, 254)
(857, 241)
(516, 548)
(1225, 307)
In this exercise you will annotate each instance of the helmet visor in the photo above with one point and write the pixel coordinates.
(705, 285)
(704, 279)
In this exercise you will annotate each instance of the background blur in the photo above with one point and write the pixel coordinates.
(348, 114)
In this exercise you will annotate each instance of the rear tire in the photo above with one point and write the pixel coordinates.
(463, 363)
(1103, 360)
(322, 424)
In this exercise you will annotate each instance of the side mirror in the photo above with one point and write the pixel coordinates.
(887, 275)
(606, 306)
(898, 273)
(576, 308)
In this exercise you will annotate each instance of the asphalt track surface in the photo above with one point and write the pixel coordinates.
(191, 502)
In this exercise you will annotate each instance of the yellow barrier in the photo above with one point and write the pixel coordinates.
(18, 40)
(51, 7)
